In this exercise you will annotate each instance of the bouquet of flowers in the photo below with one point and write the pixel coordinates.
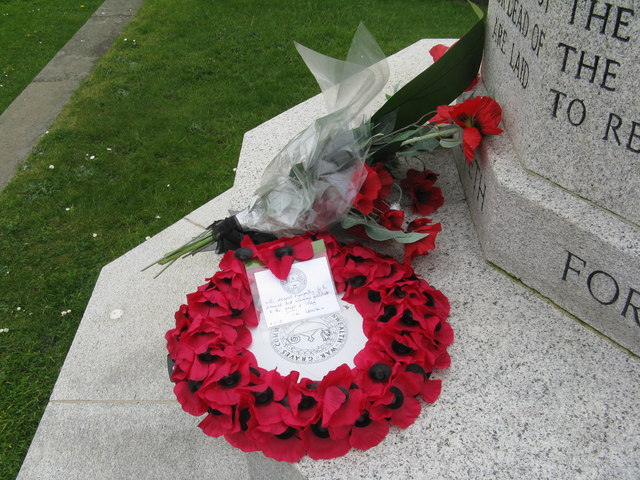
(338, 171)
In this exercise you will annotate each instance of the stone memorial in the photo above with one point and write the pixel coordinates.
(555, 199)
(113, 415)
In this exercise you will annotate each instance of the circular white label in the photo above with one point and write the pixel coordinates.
(310, 341)
(311, 347)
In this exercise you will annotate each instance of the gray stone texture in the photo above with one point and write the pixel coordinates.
(531, 393)
(566, 73)
(30, 114)
(580, 256)
(556, 204)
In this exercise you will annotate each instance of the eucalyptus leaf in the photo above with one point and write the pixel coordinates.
(401, 137)
(349, 220)
(408, 153)
(450, 143)
(377, 232)
(428, 144)
(380, 234)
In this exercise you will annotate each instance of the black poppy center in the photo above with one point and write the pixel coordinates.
(230, 380)
(398, 292)
(380, 372)
(363, 420)
(401, 348)
(373, 296)
(207, 357)
(244, 417)
(389, 311)
(285, 251)
(357, 281)
(287, 434)
(320, 431)
(422, 195)
(415, 368)
(430, 300)
(307, 402)
(243, 253)
(194, 385)
(263, 398)
(407, 318)
(398, 398)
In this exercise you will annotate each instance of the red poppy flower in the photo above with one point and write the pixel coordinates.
(367, 433)
(438, 51)
(421, 247)
(321, 444)
(284, 447)
(392, 219)
(304, 407)
(398, 405)
(478, 116)
(385, 178)
(341, 404)
(369, 191)
(431, 390)
(218, 421)
(192, 403)
(210, 303)
(233, 285)
(279, 255)
(426, 197)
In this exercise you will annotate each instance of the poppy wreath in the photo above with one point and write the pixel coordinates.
(287, 417)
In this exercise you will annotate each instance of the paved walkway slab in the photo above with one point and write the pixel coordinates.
(531, 393)
(30, 114)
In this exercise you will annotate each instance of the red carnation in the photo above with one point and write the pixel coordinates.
(426, 198)
(369, 191)
(385, 178)
(478, 116)
(421, 247)
(392, 219)
(438, 51)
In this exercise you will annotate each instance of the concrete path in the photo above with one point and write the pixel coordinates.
(531, 393)
(30, 114)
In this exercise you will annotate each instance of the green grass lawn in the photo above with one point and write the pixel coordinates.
(31, 32)
(153, 133)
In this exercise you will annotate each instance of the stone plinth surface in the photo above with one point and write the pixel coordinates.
(566, 73)
(531, 393)
(555, 198)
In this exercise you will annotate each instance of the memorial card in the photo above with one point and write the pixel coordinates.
(308, 291)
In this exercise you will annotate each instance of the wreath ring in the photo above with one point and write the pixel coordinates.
(287, 417)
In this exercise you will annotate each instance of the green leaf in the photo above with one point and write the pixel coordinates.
(377, 232)
(450, 143)
(478, 11)
(440, 84)
(405, 135)
(428, 144)
(380, 234)
(408, 153)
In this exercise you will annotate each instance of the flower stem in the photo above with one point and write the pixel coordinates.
(437, 134)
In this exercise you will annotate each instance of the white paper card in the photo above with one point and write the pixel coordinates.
(307, 292)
